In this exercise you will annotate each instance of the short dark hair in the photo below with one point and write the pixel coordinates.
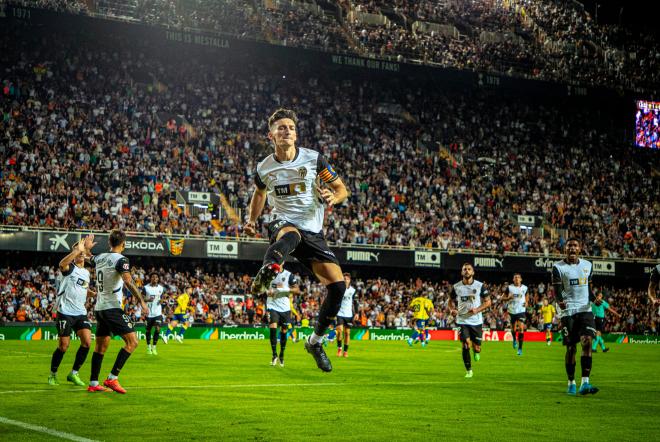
(282, 113)
(116, 238)
(467, 264)
(573, 238)
(518, 274)
(347, 274)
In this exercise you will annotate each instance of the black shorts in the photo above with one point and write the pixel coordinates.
(517, 317)
(283, 319)
(113, 322)
(66, 323)
(578, 325)
(312, 247)
(156, 321)
(345, 321)
(600, 324)
(471, 332)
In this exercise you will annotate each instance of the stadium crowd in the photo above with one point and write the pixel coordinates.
(28, 294)
(85, 145)
(548, 39)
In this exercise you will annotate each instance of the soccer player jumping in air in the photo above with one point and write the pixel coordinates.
(292, 179)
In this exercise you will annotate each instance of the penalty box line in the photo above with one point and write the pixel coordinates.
(44, 430)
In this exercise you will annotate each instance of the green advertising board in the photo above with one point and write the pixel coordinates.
(209, 333)
(45, 332)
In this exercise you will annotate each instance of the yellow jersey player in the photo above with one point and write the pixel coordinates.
(180, 317)
(548, 311)
(422, 308)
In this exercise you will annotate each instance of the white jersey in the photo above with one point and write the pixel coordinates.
(291, 188)
(153, 295)
(517, 304)
(72, 291)
(109, 268)
(574, 280)
(281, 285)
(469, 297)
(346, 309)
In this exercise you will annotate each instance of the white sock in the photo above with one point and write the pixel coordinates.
(315, 339)
(112, 377)
(571, 383)
(585, 380)
(74, 371)
(93, 383)
(53, 373)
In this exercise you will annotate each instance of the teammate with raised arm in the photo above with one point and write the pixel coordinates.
(292, 179)
(113, 272)
(72, 294)
(571, 279)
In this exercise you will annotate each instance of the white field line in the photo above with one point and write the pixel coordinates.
(45, 430)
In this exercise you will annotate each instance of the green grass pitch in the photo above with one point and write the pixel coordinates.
(226, 390)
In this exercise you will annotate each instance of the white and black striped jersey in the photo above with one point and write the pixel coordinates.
(575, 280)
(153, 294)
(467, 298)
(72, 291)
(517, 304)
(291, 187)
(109, 268)
(346, 309)
(281, 285)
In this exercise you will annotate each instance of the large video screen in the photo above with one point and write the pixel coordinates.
(647, 129)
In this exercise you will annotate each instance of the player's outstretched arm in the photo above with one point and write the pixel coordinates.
(257, 204)
(614, 312)
(78, 249)
(130, 284)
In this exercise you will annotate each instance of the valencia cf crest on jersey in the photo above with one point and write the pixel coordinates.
(302, 172)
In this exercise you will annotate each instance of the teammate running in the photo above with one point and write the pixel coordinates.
(278, 305)
(72, 294)
(571, 279)
(472, 298)
(517, 298)
(153, 293)
(293, 180)
(345, 317)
